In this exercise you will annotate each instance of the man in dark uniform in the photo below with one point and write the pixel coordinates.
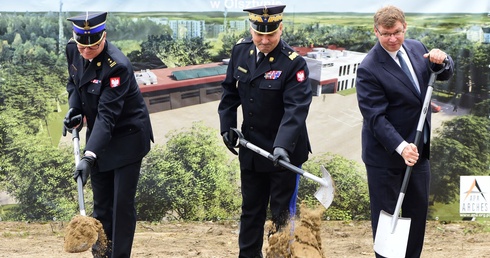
(102, 87)
(275, 95)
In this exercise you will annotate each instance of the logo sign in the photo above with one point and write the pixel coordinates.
(474, 196)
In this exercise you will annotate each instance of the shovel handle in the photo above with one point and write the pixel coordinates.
(283, 163)
(418, 136)
(81, 203)
(76, 154)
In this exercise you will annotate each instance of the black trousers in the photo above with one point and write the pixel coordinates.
(114, 206)
(259, 189)
(384, 189)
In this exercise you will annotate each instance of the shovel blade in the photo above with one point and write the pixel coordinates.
(326, 192)
(391, 244)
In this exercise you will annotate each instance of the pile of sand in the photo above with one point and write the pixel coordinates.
(82, 232)
(299, 240)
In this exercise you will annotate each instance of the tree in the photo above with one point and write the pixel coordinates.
(461, 148)
(482, 109)
(31, 90)
(173, 53)
(190, 179)
(38, 176)
(351, 200)
(230, 40)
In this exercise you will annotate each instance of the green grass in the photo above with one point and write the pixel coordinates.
(55, 125)
(5, 208)
(449, 212)
(347, 92)
(445, 212)
(128, 46)
(427, 20)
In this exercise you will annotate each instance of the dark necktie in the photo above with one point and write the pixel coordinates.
(86, 63)
(261, 57)
(407, 72)
(405, 69)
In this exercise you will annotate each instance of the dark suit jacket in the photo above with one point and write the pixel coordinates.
(118, 123)
(275, 99)
(390, 105)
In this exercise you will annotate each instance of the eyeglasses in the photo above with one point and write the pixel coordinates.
(396, 34)
(94, 47)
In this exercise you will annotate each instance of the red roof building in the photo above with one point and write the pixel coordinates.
(171, 88)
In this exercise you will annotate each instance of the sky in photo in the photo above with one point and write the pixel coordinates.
(360, 6)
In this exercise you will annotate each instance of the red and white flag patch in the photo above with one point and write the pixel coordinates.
(115, 82)
(300, 76)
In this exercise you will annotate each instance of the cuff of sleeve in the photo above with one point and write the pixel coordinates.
(400, 147)
(89, 153)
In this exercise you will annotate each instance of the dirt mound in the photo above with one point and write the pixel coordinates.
(82, 232)
(299, 240)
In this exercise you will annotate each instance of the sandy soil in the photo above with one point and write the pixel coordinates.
(219, 239)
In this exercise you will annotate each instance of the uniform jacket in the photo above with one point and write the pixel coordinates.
(275, 99)
(118, 123)
(390, 104)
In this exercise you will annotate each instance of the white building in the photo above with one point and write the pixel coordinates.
(478, 34)
(333, 70)
(187, 28)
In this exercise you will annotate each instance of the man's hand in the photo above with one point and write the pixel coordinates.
(230, 139)
(410, 154)
(84, 168)
(280, 153)
(436, 56)
(70, 121)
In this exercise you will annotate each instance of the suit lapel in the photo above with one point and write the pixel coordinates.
(266, 64)
(88, 75)
(79, 66)
(263, 67)
(393, 68)
(91, 71)
(252, 57)
(418, 64)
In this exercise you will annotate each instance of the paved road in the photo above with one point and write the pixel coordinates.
(334, 124)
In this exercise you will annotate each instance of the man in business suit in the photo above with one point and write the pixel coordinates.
(390, 101)
(275, 95)
(102, 87)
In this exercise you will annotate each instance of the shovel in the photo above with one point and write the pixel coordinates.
(392, 232)
(82, 232)
(76, 154)
(324, 194)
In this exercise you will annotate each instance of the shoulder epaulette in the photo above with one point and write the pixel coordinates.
(244, 40)
(111, 62)
(293, 55)
(288, 51)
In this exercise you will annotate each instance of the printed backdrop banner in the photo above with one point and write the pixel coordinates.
(475, 196)
(334, 37)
